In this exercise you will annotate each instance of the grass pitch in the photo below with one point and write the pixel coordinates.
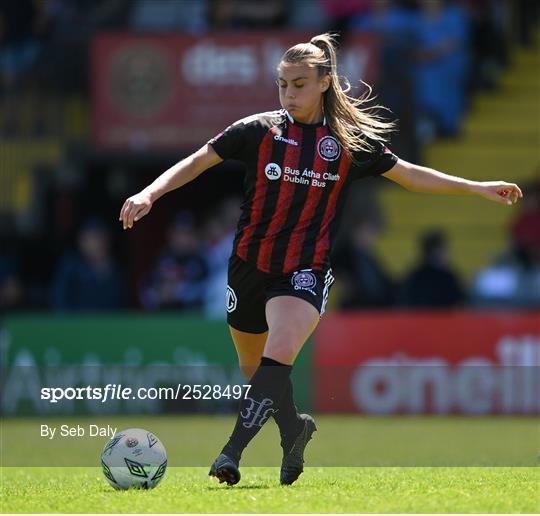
(319, 490)
(352, 466)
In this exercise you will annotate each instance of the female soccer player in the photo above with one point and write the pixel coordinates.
(300, 162)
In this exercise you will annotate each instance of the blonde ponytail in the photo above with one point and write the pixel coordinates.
(345, 114)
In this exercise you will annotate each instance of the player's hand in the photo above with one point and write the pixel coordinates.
(134, 209)
(499, 191)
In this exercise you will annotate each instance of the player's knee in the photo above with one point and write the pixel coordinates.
(281, 350)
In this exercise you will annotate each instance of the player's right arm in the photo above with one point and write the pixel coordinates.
(138, 205)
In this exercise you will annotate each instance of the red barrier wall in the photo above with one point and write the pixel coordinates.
(163, 92)
(438, 362)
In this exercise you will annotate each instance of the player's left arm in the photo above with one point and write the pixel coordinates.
(423, 179)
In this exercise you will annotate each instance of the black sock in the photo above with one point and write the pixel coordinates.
(267, 387)
(287, 419)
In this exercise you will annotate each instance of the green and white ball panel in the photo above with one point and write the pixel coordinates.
(134, 458)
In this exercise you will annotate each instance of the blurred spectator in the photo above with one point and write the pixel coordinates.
(65, 65)
(394, 26)
(307, 15)
(341, 12)
(525, 230)
(23, 24)
(514, 280)
(89, 279)
(88, 16)
(528, 14)
(442, 36)
(363, 282)
(220, 229)
(177, 280)
(393, 23)
(11, 291)
(489, 46)
(432, 283)
(424, 64)
(246, 14)
(169, 15)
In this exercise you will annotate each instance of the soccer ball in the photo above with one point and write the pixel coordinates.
(134, 458)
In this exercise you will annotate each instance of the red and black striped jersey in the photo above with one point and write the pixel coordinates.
(295, 182)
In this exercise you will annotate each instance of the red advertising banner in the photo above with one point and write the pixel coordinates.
(444, 362)
(164, 92)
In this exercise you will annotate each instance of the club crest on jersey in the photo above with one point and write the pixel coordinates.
(272, 171)
(304, 280)
(329, 148)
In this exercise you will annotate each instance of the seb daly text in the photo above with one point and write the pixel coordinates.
(50, 432)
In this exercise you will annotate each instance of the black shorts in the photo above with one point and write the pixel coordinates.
(249, 289)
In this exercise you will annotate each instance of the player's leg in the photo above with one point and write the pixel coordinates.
(291, 320)
(289, 421)
(249, 348)
(311, 288)
(246, 317)
(304, 286)
(292, 310)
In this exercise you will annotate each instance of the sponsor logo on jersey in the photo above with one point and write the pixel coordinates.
(304, 280)
(329, 148)
(290, 141)
(308, 177)
(272, 171)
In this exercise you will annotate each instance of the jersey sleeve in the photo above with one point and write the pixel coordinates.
(377, 161)
(232, 142)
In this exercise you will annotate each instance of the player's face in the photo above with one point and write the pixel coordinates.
(301, 91)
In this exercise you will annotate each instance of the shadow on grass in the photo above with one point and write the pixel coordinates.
(250, 486)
